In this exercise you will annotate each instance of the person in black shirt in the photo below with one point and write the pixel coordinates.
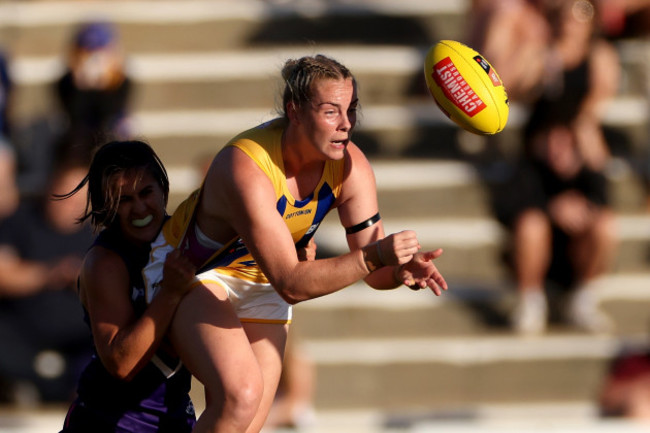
(563, 228)
(94, 91)
(43, 340)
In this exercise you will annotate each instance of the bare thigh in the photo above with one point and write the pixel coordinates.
(268, 342)
(210, 340)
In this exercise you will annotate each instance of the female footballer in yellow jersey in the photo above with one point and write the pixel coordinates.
(264, 195)
(263, 145)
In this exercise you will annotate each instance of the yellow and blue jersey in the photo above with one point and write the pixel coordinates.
(263, 145)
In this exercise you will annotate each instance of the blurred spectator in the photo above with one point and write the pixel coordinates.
(5, 95)
(44, 342)
(625, 18)
(8, 162)
(586, 78)
(626, 390)
(293, 405)
(514, 35)
(556, 203)
(563, 229)
(95, 90)
(630, 19)
(552, 58)
(9, 194)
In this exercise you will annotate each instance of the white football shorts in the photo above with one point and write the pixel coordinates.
(253, 302)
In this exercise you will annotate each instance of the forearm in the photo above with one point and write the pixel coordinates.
(134, 346)
(313, 279)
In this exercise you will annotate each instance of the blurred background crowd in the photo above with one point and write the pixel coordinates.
(577, 74)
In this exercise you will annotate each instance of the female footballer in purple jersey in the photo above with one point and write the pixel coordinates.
(132, 383)
(263, 197)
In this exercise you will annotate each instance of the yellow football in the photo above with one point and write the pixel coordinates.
(466, 87)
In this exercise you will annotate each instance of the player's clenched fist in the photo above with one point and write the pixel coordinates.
(178, 273)
(398, 248)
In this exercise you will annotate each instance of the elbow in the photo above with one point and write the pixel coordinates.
(291, 298)
(119, 369)
(123, 374)
(120, 373)
(289, 294)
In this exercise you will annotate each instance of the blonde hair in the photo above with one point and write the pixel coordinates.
(300, 74)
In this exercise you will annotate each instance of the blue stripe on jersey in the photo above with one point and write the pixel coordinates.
(282, 205)
(325, 201)
(238, 249)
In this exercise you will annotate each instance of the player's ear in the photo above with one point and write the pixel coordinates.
(292, 112)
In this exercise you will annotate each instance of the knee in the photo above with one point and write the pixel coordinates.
(605, 227)
(532, 225)
(242, 400)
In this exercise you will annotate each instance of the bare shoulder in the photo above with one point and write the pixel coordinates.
(359, 175)
(356, 161)
(102, 268)
(100, 263)
(229, 164)
(234, 190)
(229, 176)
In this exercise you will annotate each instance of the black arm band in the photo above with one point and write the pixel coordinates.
(362, 225)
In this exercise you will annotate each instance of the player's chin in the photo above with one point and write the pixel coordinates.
(338, 148)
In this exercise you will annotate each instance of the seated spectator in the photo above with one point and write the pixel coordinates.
(5, 96)
(95, 89)
(8, 160)
(44, 342)
(562, 227)
(587, 77)
(9, 194)
(293, 406)
(515, 36)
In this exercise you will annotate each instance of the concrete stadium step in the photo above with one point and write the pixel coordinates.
(202, 83)
(231, 79)
(474, 246)
(195, 81)
(547, 417)
(447, 204)
(466, 310)
(400, 349)
(434, 383)
(42, 27)
(413, 359)
(424, 188)
(451, 373)
(634, 54)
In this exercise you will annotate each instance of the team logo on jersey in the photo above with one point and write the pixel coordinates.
(298, 213)
(312, 228)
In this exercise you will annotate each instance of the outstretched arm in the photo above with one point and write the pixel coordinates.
(358, 203)
(238, 195)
